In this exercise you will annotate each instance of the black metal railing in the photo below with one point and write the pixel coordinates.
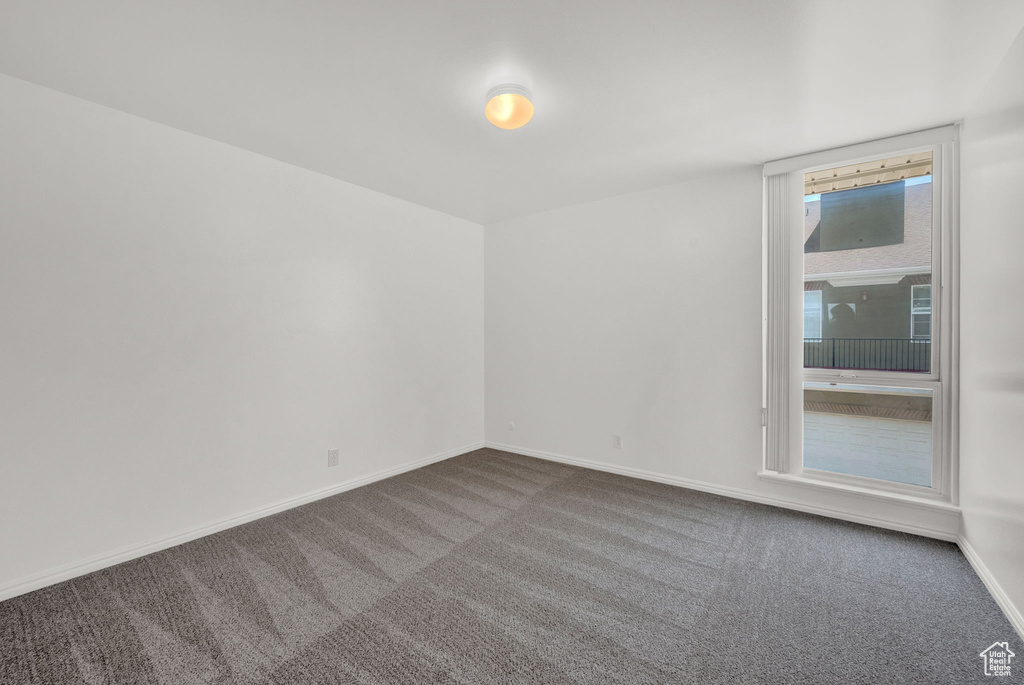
(878, 354)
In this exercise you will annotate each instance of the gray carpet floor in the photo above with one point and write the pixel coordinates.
(497, 568)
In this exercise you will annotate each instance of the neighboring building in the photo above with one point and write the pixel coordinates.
(869, 307)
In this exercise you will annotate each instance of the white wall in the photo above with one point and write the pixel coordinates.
(186, 328)
(638, 315)
(641, 315)
(992, 326)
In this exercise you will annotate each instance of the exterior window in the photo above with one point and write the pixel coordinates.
(921, 312)
(869, 405)
(880, 432)
(812, 314)
(865, 246)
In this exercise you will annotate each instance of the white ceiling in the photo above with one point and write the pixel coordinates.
(388, 94)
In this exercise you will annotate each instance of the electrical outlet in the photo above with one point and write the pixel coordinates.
(511, 425)
(332, 457)
(617, 441)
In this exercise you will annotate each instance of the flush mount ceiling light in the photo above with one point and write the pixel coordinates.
(508, 106)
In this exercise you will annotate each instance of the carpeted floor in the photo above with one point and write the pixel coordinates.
(497, 568)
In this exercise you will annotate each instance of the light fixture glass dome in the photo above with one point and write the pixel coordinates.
(508, 106)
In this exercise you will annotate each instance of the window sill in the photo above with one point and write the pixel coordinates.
(931, 503)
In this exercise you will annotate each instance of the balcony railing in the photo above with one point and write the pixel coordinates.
(876, 354)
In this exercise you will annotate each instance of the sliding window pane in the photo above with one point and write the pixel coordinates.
(869, 431)
(867, 253)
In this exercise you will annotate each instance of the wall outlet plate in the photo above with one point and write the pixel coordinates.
(511, 426)
(617, 441)
(332, 457)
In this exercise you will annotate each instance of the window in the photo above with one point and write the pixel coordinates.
(866, 246)
(812, 314)
(921, 312)
(870, 403)
(878, 432)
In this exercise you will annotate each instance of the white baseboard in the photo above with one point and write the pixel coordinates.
(1013, 615)
(735, 493)
(95, 563)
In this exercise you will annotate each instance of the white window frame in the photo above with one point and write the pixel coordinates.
(784, 373)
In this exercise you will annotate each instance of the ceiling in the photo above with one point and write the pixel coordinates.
(631, 94)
